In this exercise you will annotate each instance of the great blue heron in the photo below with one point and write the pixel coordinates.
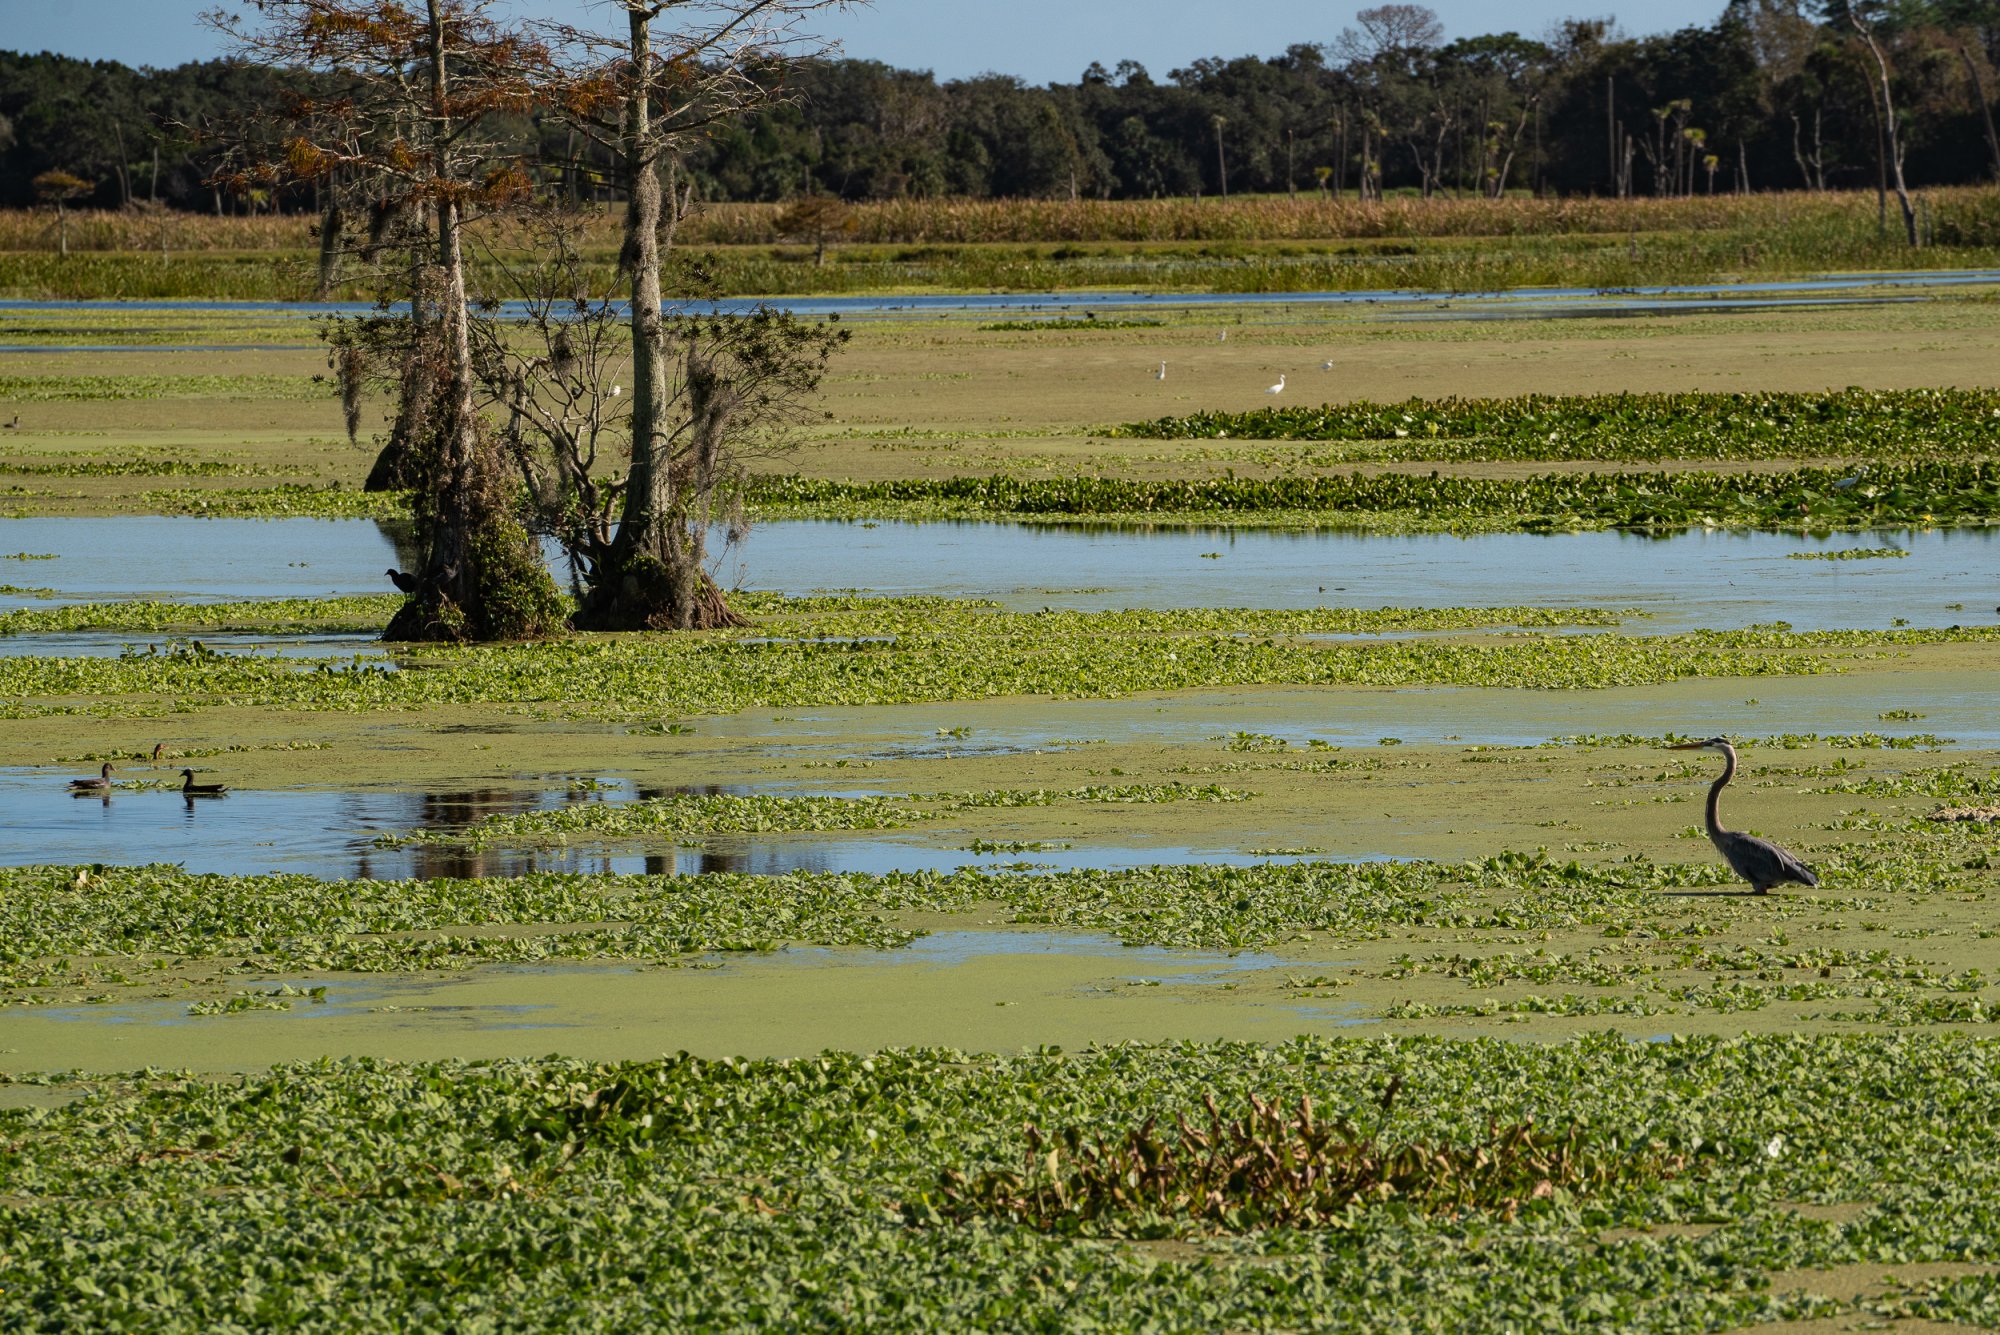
(1758, 861)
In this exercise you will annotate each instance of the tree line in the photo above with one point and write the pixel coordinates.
(1836, 94)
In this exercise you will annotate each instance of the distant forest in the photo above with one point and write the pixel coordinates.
(1766, 98)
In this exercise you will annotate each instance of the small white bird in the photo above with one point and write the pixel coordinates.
(616, 390)
(1222, 337)
(1278, 388)
(1326, 365)
(1161, 374)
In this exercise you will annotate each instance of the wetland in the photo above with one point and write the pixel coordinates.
(772, 976)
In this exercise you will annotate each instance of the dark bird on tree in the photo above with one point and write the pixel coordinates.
(1758, 861)
(406, 582)
(189, 788)
(100, 784)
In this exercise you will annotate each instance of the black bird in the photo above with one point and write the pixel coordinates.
(189, 788)
(402, 580)
(1758, 861)
(100, 784)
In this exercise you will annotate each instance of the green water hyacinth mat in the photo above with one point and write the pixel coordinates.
(1844, 424)
(1897, 936)
(1756, 1179)
(1891, 495)
(906, 658)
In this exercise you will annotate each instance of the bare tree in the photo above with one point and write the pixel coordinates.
(1864, 26)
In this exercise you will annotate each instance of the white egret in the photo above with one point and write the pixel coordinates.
(1161, 374)
(1278, 388)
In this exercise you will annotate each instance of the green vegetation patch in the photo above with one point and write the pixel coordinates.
(289, 501)
(50, 388)
(688, 814)
(55, 914)
(1850, 554)
(276, 615)
(145, 467)
(1893, 496)
(56, 917)
(900, 658)
(1065, 323)
(732, 1194)
(1848, 423)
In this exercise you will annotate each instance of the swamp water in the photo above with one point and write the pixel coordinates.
(1746, 295)
(335, 835)
(1696, 578)
(1716, 579)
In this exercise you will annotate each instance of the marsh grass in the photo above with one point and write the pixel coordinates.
(1966, 215)
(111, 388)
(1257, 244)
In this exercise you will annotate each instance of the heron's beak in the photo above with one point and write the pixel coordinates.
(1687, 746)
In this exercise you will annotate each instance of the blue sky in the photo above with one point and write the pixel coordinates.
(1040, 40)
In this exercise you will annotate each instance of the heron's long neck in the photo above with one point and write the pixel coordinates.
(1715, 792)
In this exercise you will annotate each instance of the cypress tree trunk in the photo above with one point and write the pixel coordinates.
(482, 577)
(655, 576)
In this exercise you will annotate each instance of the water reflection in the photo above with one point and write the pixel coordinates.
(334, 835)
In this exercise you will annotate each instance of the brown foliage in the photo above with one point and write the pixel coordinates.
(1279, 1167)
